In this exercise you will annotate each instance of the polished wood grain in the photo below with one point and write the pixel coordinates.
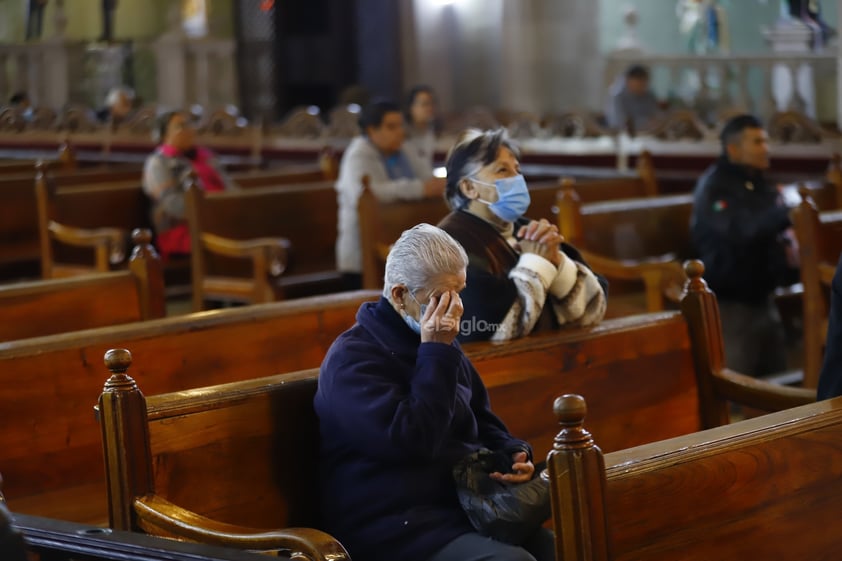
(54, 446)
(38, 308)
(297, 222)
(170, 472)
(765, 488)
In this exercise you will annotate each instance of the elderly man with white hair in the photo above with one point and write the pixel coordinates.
(119, 104)
(399, 404)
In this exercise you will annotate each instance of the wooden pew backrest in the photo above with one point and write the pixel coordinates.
(762, 488)
(245, 455)
(172, 354)
(304, 215)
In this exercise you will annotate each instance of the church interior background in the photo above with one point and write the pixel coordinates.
(265, 58)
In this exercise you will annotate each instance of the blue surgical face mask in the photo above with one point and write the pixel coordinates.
(411, 321)
(512, 197)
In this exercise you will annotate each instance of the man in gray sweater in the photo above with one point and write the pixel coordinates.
(393, 174)
(632, 103)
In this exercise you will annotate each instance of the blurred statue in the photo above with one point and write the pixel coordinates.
(35, 18)
(809, 12)
(705, 24)
(108, 7)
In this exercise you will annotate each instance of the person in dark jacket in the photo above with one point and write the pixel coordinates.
(399, 404)
(518, 279)
(741, 229)
(830, 379)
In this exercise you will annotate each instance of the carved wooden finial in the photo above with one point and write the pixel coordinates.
(694, 269)
(118, 362)
(141, 236)
(570, 410)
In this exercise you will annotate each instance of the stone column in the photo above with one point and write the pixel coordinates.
(171, 62)
(520, 58)
(571, 72)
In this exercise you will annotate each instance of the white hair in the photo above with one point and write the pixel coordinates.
(420, 255)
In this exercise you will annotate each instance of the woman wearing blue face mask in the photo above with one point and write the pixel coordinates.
(520, 276)
(399, 404)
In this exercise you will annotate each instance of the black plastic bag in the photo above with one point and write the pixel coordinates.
(507, 512)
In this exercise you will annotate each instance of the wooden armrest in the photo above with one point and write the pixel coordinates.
(111, 239)
(158, 516)
(662, 275)
(273, 250)
(628, 269)
(759, 394)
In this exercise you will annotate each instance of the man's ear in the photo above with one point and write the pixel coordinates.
(398, 293)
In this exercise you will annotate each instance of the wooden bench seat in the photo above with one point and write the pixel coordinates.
(764, 488)
(38, 308)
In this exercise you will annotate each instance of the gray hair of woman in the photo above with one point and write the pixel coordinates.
(472, 150)
(421, 254)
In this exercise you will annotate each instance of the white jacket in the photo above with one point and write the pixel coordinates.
(363, 158)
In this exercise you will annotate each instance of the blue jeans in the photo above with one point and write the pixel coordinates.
(474, 547)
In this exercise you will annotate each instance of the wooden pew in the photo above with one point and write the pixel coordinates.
(643, 184)
(164, 484)
(19, 232)
(640, 370)
(49, 453)
(33, 309)
(649, 357)
(820, 245)
(764, 488)
(59, 540)
(639, 240)
(263, 244)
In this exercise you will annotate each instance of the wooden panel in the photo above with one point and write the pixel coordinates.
(767, 488)
(636, 372)
(46, 307)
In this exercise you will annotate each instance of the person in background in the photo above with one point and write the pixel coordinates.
(421, 125)
(830, 379)
(166, 175)
(521, 276)
(393, 174)
(21, 102)
(399, 404)
(632, 102)
(118, 105)
(741, 229)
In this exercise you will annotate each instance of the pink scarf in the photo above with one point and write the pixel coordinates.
(209, 178)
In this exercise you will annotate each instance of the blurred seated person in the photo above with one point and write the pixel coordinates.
(166, 175)
(521, 276)
(21, 102)
(399, 404)
(119, 104)
(393, 174)
(632, 102)
(830, 379)
(421, 125)
(741, 229)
